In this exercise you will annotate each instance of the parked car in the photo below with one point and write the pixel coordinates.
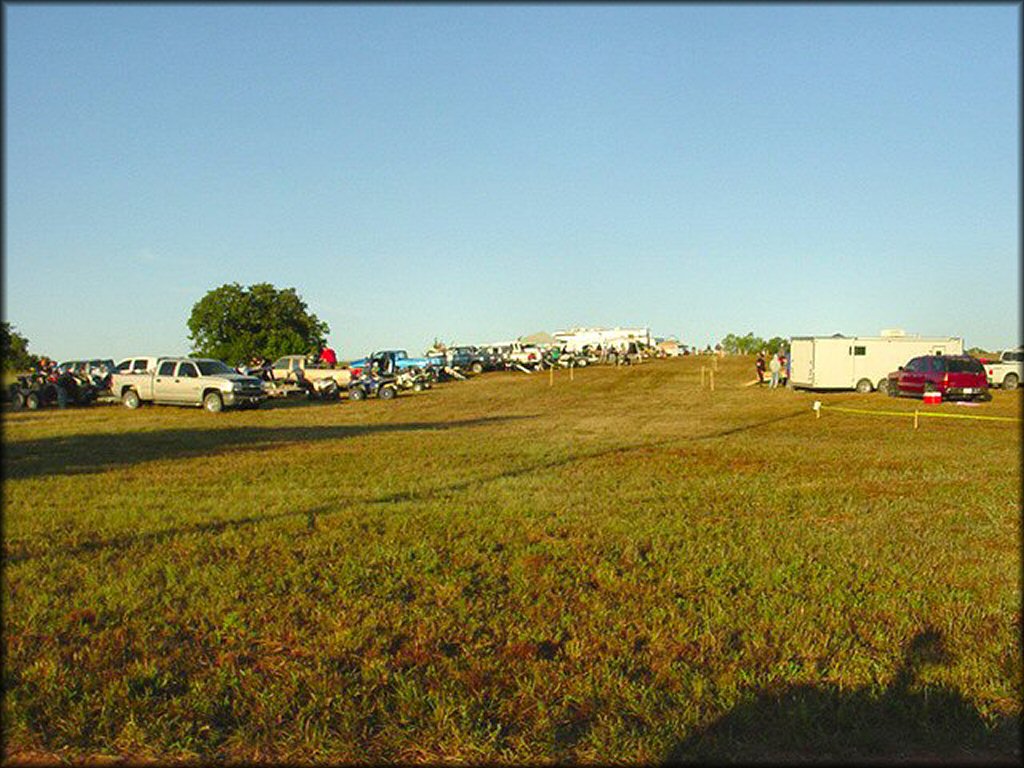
(97, 371)
(953, 376)
(466, 358)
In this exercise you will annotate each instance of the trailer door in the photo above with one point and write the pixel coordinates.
(833, 363)
(801, 362)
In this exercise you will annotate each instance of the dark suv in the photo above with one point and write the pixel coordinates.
(467, 359)
(953, 376)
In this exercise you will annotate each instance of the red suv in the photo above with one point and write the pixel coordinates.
(955, 376)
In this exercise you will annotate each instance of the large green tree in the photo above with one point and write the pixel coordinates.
(233, 323)
(14, 350)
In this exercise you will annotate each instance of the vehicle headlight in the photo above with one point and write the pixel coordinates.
(236, 386)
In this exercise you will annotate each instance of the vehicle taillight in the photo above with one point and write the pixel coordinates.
(945, 380)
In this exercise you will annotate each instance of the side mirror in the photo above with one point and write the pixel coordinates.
(901, 367)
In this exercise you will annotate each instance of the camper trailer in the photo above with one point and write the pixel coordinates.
(575, 339)
(859, 362)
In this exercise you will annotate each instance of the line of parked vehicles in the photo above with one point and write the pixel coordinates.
(383, 374)
(215, 386)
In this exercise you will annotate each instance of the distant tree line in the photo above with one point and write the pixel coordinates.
(751, 344)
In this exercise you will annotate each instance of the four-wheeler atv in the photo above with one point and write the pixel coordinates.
(37, 391)
(415, 379)
(370, 385)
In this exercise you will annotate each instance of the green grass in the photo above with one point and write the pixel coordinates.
(620, 568)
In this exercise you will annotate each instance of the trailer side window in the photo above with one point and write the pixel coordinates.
(859, 350)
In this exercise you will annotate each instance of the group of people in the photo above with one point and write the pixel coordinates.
(776, 366)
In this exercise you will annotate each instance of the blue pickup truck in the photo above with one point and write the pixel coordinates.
(396, 360)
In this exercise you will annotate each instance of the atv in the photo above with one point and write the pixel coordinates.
(370, 385)
(36, 391)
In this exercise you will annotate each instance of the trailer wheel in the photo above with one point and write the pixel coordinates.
(864, 386)
(417, 387)
(387, 392)
(883, 386)
(213, 402)
(131, 399)
(1010, 381)
(477, 367)
(32, 401)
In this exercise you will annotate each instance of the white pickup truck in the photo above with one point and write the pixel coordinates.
(189, 381)
(1007, 371)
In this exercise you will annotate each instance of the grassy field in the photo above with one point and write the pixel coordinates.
(621, 568)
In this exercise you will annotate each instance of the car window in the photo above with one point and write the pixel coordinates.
(189, 370)
(281, 364)
(139, 365)
(935, 364)
(124, 365)
(167, 368)
(965, 365)
(213, 367)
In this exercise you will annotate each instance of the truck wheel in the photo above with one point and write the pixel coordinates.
(18, 401)
(213, 402)
(32, 401)
(477, 367)
(387, 393)
(864, 386)
(1010, 381)
(131, 399)
(417, 387)
(613, 359)
(357, 393)
(883, 386)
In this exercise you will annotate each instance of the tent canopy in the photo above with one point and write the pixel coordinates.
(539, 338)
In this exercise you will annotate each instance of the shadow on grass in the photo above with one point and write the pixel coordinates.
(83, 454)
(901, 723)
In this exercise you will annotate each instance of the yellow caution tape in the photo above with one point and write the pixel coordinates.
(917, 413)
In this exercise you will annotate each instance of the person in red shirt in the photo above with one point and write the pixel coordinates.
(328, 358)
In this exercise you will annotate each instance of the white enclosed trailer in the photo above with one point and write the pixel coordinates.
(859, 362)
(575, 339)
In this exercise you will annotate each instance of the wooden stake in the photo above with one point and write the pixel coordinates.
(702, 377)
(915, 418)
(712, 381)
(571, 369)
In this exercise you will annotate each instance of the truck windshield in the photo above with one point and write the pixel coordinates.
(212, 367)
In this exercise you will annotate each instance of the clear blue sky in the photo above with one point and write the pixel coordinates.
(479, 172)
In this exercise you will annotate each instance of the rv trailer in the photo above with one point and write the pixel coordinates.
(575, 339)
(859, 362)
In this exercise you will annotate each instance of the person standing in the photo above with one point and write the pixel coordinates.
(328, 357)
(760, 365)
(775, 366)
